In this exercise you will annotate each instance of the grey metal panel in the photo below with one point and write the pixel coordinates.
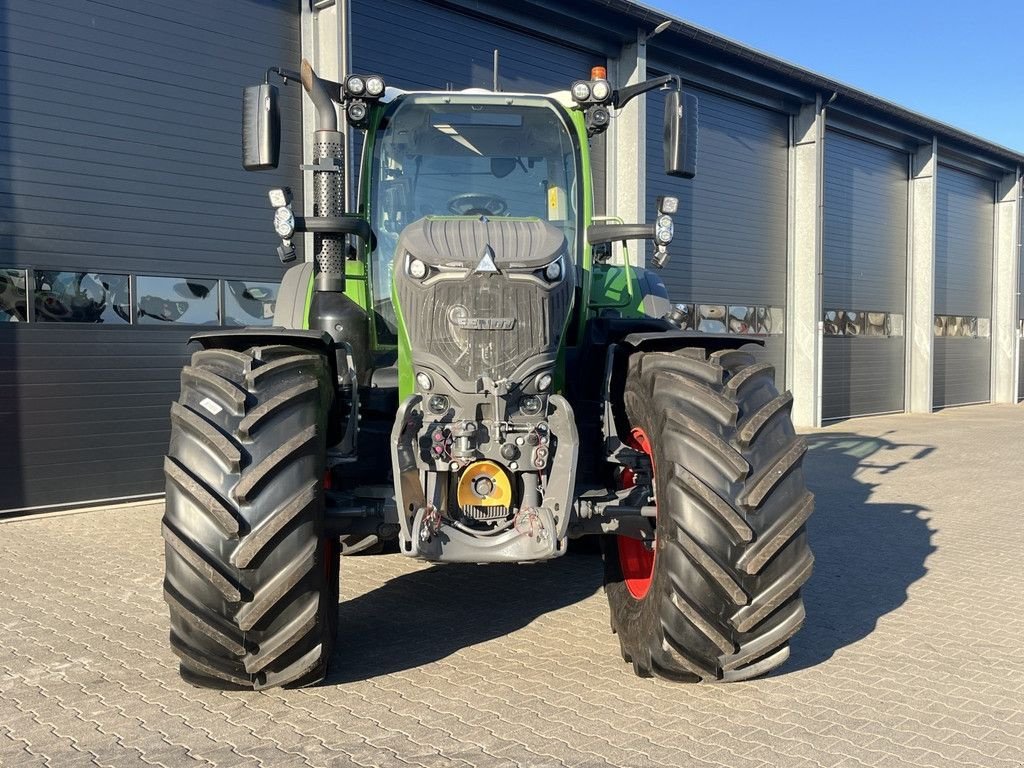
(731, 229)
(865, 227)
(84, 410)
(964, 234)
(862, 376)
(418, 45)
(1020, 371)
(962, 374)
(865, 268)
(730, 245)
(120, 137)
(965, 218)
(119, 153)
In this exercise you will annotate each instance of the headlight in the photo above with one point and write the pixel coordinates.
(581, 90)
(355, 85)
(664, 229)
(601, 90)
(279, 198)
(530, 405)
(437, 403)
(424, 381)
(417, 269)
(284, 222)
(374, 86)
(356, 112)
(553, 271)
(543, 382)
(668, 205)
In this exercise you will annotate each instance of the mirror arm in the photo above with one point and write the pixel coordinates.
(623, 96)
(284, 74)
(613, 233)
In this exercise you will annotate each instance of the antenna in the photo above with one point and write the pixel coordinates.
(496, 84)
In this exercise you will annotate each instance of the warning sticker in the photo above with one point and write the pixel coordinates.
(211, 406)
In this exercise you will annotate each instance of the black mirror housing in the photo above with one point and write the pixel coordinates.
(680, 144)
(261, 128)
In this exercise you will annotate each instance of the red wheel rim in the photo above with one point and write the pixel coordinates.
(635, 559)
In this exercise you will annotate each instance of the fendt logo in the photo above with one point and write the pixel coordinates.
(459, 317)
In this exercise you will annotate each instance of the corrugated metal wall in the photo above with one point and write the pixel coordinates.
(120, 154)
(730, 246)
(434, 48)
(964, 236)
(865, 270)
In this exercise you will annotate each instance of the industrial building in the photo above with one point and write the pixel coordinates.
(877, 251)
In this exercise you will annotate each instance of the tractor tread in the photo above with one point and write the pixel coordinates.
(700, 491)
(208, 434)
(258, 475)
(753, 425)
(276, 404)
(204, 378)
(196, 490)
(279, 585)
(260, 537)
(251, 579)
(731, 548)
(762, 484)
(194, 618)
(781, 532)
(202, 563)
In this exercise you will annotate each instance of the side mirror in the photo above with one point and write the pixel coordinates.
(680, 134)
(261, 128)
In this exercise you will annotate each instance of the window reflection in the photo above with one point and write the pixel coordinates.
(875, 324)
(177, 300)
(686, 311)
(742, 320)
(81, 297)
(711, 318)
(249, 303)
(13, 296)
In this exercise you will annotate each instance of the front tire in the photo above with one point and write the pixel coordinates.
(251, 578)
(718, 597)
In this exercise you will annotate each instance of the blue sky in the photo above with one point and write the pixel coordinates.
(959, 62)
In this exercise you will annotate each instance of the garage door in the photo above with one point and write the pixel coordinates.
(728, 260)
(864, 283)
(963, 288)
(126, 218)
(417, 45)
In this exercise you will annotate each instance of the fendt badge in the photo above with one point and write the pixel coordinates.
(459, 317)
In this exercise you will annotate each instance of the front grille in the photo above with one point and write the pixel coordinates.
(465, 322)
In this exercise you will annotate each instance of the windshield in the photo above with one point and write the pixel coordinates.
(467, 155)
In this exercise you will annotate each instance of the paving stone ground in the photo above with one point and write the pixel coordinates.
(913, 652)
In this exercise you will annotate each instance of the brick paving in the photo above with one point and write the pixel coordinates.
(913, 653)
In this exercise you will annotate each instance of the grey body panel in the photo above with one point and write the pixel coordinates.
(290, 310)
(732, 227)
(963, 284)
(865, 268)
(121, 154)
(862, 376)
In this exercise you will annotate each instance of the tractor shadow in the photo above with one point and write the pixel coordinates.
(867, 553)
(426, 615)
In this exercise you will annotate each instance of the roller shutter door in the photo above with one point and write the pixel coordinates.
(729, 254)
(120, 157)
(965, 219)
(420, 46)
(865, 278)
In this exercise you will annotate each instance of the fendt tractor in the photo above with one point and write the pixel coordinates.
(469, 367)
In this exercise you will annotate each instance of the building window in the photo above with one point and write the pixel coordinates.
(962, 327)
(13, 295)
(81, 297)
(247, 302)
(856, 322)
(191, 301)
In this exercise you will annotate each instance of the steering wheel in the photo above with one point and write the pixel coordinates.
(477, 204)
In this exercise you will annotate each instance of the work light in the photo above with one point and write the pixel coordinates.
(355, 85)
(374, 86)
(284, 222)
(581, 90)
(280, 197)
(668, 205)
(601, 90)
(663, 230)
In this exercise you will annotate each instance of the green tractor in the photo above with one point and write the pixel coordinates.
(466, 369)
